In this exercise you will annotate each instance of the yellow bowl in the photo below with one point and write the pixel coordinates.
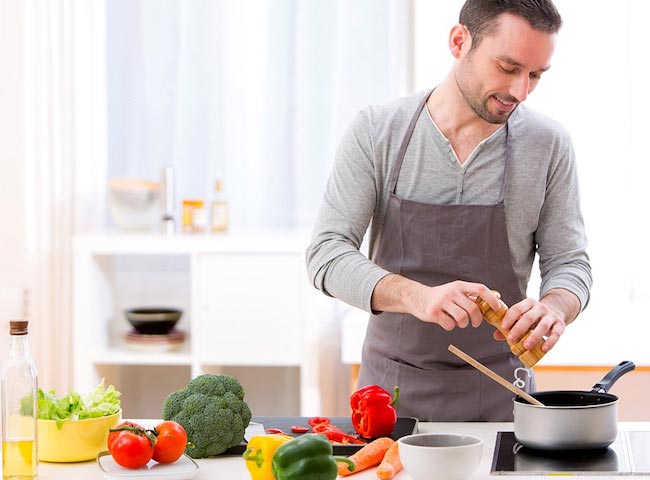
(76, 441)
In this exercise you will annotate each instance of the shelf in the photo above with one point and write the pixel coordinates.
(124, 356)
(266, 241)
(244, 291)
(247, 362)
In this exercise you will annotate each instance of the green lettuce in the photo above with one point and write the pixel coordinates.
(101, 402)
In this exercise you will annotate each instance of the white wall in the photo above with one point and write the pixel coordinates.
(12, 225)
(597, 89)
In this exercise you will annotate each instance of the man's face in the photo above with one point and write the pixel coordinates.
(505, 67)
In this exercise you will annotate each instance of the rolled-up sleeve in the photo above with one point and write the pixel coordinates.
(561, 239)
(334, 263)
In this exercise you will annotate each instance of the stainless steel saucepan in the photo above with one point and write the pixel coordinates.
(571, 419)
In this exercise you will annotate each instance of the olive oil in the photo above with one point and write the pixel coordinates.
(18, 387)
(19, 460)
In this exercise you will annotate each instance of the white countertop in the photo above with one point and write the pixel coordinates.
(233, 467)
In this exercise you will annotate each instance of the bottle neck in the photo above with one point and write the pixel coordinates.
(18, 346)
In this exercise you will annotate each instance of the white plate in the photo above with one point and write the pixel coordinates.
(182, 469)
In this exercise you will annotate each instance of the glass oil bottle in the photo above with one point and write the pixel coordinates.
(19, 408)
(219, 209)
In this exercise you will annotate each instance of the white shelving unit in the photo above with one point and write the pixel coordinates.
(246, 300)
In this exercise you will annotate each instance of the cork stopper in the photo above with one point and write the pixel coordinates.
(18, 327)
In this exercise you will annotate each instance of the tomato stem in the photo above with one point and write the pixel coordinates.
(128, 428)
(152, 438)
(137, 431)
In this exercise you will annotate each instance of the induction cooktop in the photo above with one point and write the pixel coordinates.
(628, 455)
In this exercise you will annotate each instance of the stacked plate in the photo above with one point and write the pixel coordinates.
(155, 343)
(153, 329)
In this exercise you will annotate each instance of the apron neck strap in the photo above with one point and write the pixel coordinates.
(394, 175)
(506, 168)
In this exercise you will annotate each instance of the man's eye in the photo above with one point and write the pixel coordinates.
(507, 70)
(535, 76)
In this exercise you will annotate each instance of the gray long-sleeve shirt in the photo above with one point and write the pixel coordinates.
(542, 202)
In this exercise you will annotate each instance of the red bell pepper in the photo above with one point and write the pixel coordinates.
(313, 421)
(334, 434)
(373, 411)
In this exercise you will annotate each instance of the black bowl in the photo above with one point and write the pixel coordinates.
(153, 320)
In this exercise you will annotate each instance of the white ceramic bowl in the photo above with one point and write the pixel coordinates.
(440, 456)
(133, 203)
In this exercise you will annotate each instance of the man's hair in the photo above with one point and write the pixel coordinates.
(481, 16)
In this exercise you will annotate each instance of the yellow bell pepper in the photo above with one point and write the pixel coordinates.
(259, 454)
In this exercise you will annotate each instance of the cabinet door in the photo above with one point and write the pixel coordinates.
(250, 308)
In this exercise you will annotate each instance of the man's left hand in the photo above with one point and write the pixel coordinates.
(529, 314)
(547, 318)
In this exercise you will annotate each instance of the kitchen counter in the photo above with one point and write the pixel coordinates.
(233, 468)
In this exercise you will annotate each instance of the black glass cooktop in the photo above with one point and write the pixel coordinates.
(628, 455)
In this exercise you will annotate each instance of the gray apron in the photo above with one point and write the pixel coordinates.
(436, 244)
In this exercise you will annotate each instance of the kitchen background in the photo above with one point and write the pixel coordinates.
(257, 94)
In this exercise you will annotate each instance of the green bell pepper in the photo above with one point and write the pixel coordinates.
(308, 456)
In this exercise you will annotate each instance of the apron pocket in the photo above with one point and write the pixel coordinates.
(435, 395)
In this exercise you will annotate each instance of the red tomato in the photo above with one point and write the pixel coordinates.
(171, 442)
(113, 434)
(313, 421)
(131, 447)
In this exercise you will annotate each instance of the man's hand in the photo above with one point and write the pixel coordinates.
(450, 305)
(547, 318)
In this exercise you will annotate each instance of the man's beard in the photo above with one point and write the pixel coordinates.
(481, 107)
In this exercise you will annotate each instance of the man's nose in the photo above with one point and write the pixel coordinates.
(520, 87)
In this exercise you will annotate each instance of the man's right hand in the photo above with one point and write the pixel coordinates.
(450, 305)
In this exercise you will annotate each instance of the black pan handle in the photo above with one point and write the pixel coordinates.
(614, 374)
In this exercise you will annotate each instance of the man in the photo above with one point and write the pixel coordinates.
(463, 185)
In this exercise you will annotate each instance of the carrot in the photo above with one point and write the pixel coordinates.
(368, 456)
(391, 464)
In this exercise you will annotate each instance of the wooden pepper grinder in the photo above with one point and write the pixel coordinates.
(527, 357)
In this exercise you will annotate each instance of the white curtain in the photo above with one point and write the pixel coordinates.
(255, 92)
(65, 144)
(12, 237)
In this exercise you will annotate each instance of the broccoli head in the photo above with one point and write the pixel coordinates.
(212, 410)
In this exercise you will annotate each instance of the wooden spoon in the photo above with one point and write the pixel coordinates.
(494, 376)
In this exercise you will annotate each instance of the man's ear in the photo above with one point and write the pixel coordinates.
(460, 41)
